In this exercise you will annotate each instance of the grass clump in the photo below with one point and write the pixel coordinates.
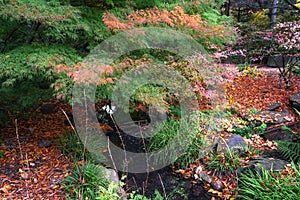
(72, 146)
(271, 185)
(192, 137)
(85, 182)
(223, 161)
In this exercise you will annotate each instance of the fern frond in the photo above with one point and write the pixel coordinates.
(289, 150)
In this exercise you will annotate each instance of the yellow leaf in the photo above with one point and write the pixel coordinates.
(210, 190)
(55, 186)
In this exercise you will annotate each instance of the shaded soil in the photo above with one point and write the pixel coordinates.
(168, 183)
(28, 171)
(165, 180)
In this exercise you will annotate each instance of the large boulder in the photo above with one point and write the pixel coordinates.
(272, 117)
(295, 101)
(268, 164)
(234, 143)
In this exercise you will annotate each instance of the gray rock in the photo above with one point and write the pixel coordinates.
(202, 175)
(295, 101)
(278, 135)
(217, 185)
(272, 117)
(112, 175)
(274, 106)
(234, 142)
(268, 164)
(44, 143)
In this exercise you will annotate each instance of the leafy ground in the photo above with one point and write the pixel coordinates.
(247, 92)
(28, 171)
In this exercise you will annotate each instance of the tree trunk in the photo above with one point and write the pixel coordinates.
(273, 13)
(227, 9)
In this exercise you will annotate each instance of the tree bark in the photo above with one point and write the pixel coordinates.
(227, 10)
(273, 13)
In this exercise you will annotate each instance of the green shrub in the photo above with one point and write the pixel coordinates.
(250, 129)
(193, 137)
(270, 185)
(19, 100)
(157, 196)
(34, 63)
(27, 21)
(86, 182)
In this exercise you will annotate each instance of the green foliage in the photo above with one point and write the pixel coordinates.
(86, 182)
(2, 155)
(34, 63)
(21, 99)
(252, 111)
(209, 11)
(157, 196)
(109, 192)
(270, 185)
(141, 4)
(39, 20)
(287, 129)
(192, 136)
(250, 129)
(50, 22)
(289, 150)
(227, 161)
(248, 70)
(242, 67)
(32, 67)
(297, 111)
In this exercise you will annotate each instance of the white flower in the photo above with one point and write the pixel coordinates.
(109, 109)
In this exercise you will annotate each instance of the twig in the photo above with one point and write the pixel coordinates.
(18, 139)
(69, 121)
(229, 150)
(111, 157)
(163, 187)
(122, 143)
(21, 152)
(147, 162)
(86, 128)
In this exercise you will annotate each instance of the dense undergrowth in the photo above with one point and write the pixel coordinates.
(43, 45)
